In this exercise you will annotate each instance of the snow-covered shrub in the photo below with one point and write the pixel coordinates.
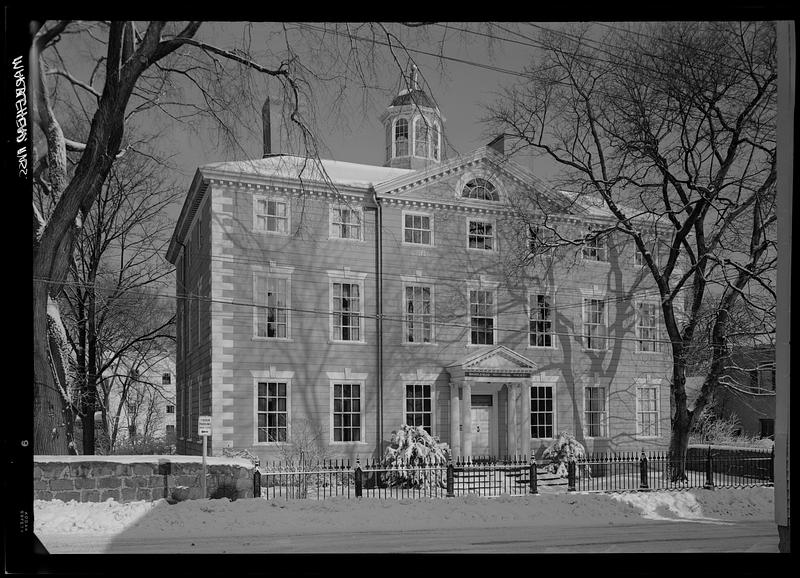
(564, 448)
(412, 449)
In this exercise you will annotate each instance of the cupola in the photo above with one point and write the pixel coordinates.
(414, 137)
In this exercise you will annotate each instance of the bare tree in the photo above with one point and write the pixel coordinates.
(676, 121)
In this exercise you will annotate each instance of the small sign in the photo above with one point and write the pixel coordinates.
(204, 425)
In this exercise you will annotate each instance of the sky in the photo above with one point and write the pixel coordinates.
(474, 69)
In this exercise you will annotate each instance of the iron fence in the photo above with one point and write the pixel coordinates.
(658, 471)
(487, 476)
(513, 475)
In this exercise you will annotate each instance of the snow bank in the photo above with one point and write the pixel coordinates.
(281, 518)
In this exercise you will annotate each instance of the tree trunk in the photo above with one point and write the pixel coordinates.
(89, 395)
(52, 416)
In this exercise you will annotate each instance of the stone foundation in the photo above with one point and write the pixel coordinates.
(131, 478)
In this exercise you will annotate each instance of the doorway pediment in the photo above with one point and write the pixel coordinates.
(492, 361)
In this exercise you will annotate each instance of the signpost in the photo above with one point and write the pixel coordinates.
(204, 429)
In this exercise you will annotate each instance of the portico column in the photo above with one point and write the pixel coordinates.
(525, 422)
(455, 420)
(466, 419)
(511, 414)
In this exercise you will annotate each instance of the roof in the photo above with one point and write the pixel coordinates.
(414, 96)
(312, 170)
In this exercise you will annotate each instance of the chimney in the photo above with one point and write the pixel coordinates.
(499, 144)
(267, 128)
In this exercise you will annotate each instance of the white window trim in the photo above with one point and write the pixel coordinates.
(268, 197)
(490, 176)
(605, 422)
(495, 241)
(429, 380)
(547, 381)
(394, 137)
(651, 384)
(482, 285)
(551, 293)
(346, 376)
(586, 294)
(403, 228)
(659, 327)
(272, 374)
(584, 247)
(429, 123)
(414, 282)
(275, 272)
(346, 276)
(332, 211)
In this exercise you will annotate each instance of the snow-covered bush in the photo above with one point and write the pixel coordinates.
(412, 449)
(564, 448)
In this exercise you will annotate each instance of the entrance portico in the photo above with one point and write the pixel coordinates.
(490, 390)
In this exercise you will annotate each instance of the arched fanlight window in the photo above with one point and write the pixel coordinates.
(480, 189)
(401, 138)
(420, 137)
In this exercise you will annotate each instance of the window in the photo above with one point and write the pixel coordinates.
(435, 141)
(271, 215)
(482, 317)
(346, 412)
(480, 235)
(647, 411)
(346, 309)
(594, 324)
(272, 313)
(421, 137)
(481, 189)
(540, 310)
(417, 229)
(401, 138)
(418, 314)
(166, 379)
(767, 428)
(595, 249)
(197, 311)
(272, 411)
(170, 431)
(595, 411)
(170, 409)
(345, 223)
(762, 379)
(418, 405)
(647, 327)
(542, 411)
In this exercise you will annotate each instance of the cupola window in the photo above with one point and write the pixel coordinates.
(420, 138)
(480, 189)
(401, 138)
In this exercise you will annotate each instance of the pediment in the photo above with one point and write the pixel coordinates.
(442, 184)
(498, 358)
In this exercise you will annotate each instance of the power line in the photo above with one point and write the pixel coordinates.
(399, 319)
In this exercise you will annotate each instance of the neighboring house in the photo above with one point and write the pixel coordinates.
(149, 409)
(745, 390)
(368, 297)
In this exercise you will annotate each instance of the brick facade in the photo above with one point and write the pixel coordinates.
(230, 360)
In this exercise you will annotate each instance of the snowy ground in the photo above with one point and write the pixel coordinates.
(56, 522)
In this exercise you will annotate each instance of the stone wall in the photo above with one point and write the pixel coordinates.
(131, 478)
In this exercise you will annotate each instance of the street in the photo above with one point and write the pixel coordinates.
(641, 537)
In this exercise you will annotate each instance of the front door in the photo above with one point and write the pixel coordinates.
(481, 412)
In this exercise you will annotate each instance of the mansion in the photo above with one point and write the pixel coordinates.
(347, 299)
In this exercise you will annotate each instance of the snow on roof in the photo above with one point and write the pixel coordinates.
(594, 205)
(144, 459)
(295, 167)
